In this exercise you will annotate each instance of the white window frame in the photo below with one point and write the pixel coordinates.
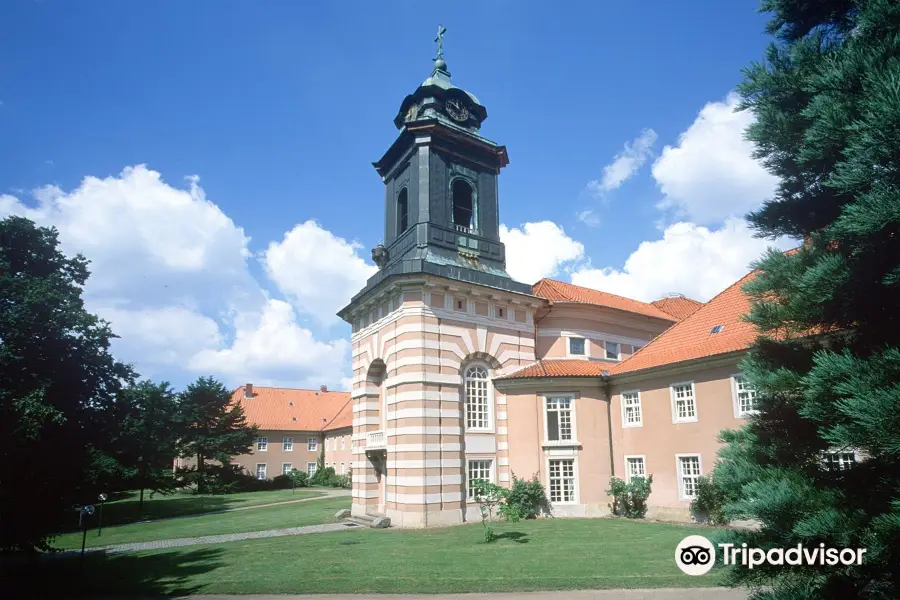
(675, 418)
(587, 346)
(576, 487)
(492, 473)
(265, 474)
(287, 443)
(678, 473)
(826, 458)
(343, 442)
(738, 413)
(262, 444)
(285, 471)
(311, 468)
(606, 350)
(490, 398)
(640, 408)
(312, 444)
(343, 469)
(628, 474)
(572, 414)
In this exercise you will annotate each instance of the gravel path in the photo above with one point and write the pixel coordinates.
(217, 539)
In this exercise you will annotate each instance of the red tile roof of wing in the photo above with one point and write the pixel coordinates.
(560, 367)
(300, 410)
(559, 291)
(677, 306)
(692, 339)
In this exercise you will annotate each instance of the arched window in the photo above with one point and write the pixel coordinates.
(477, 401)
(402, 212)
(462, 204)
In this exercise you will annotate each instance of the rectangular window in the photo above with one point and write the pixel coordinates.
(478, 469)
(287, 444)
(631, 409)
(311, 469)
(744, 396)
(559, 419)
(501, 312)
(262, 444)
(286, 468)
(562, 480)
(342, 469)
(576, 346)
(343, 441)
(260, 470)
(612, 350)
(635, 467)
(312, 444)
(684, 408)
(688, 472)
(838, 460)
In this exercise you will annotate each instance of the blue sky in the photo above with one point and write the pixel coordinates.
(258, 123)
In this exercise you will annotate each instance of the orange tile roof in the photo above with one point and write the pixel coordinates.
(559, 291)
(679, 307)
(297, 410)
(559, 367)
(692, 338)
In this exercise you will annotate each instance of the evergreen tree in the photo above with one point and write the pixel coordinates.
(212, 429)
(826, 365)
(58, 383)
(149, 435)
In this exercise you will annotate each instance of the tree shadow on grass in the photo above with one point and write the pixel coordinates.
(150, 575)
(516, 536)
(129, 511)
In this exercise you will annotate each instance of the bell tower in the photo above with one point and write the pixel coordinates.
(439, 319)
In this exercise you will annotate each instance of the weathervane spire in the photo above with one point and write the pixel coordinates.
(440, 42)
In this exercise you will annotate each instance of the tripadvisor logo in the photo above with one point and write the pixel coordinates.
(696, 555)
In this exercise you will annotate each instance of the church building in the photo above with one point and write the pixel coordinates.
(462, 373)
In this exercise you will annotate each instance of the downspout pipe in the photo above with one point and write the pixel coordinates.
(605, 384)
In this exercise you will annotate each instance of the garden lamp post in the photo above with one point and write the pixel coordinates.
(84, 512)
(102, 499)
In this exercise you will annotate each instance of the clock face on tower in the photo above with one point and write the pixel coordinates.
(456, 109)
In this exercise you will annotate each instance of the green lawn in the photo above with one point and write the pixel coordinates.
(127, 510)
(551, 554)
(297, 514)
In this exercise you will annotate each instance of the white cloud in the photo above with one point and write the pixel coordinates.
(270, 348)
(689, 259)
(538, 250)
(711, 174)
(588, 217)
(625, 164)
(318, 271)
(169, 271)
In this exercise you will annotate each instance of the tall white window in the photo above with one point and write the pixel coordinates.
(559, 419)
(688, 472)
(312, 444)
(744, 396)
(286, 468)
(343, 470)
(343, 442)
(477, 402)
(311, 468)
(684, 407)
(262, 444)
(478, 469)
(260, 470)
(287, 444)
(635, 466)
(631, 409)
(562, 480)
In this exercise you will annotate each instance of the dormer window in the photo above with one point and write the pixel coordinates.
(463, 209)
(402, 211)
(717, 329)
